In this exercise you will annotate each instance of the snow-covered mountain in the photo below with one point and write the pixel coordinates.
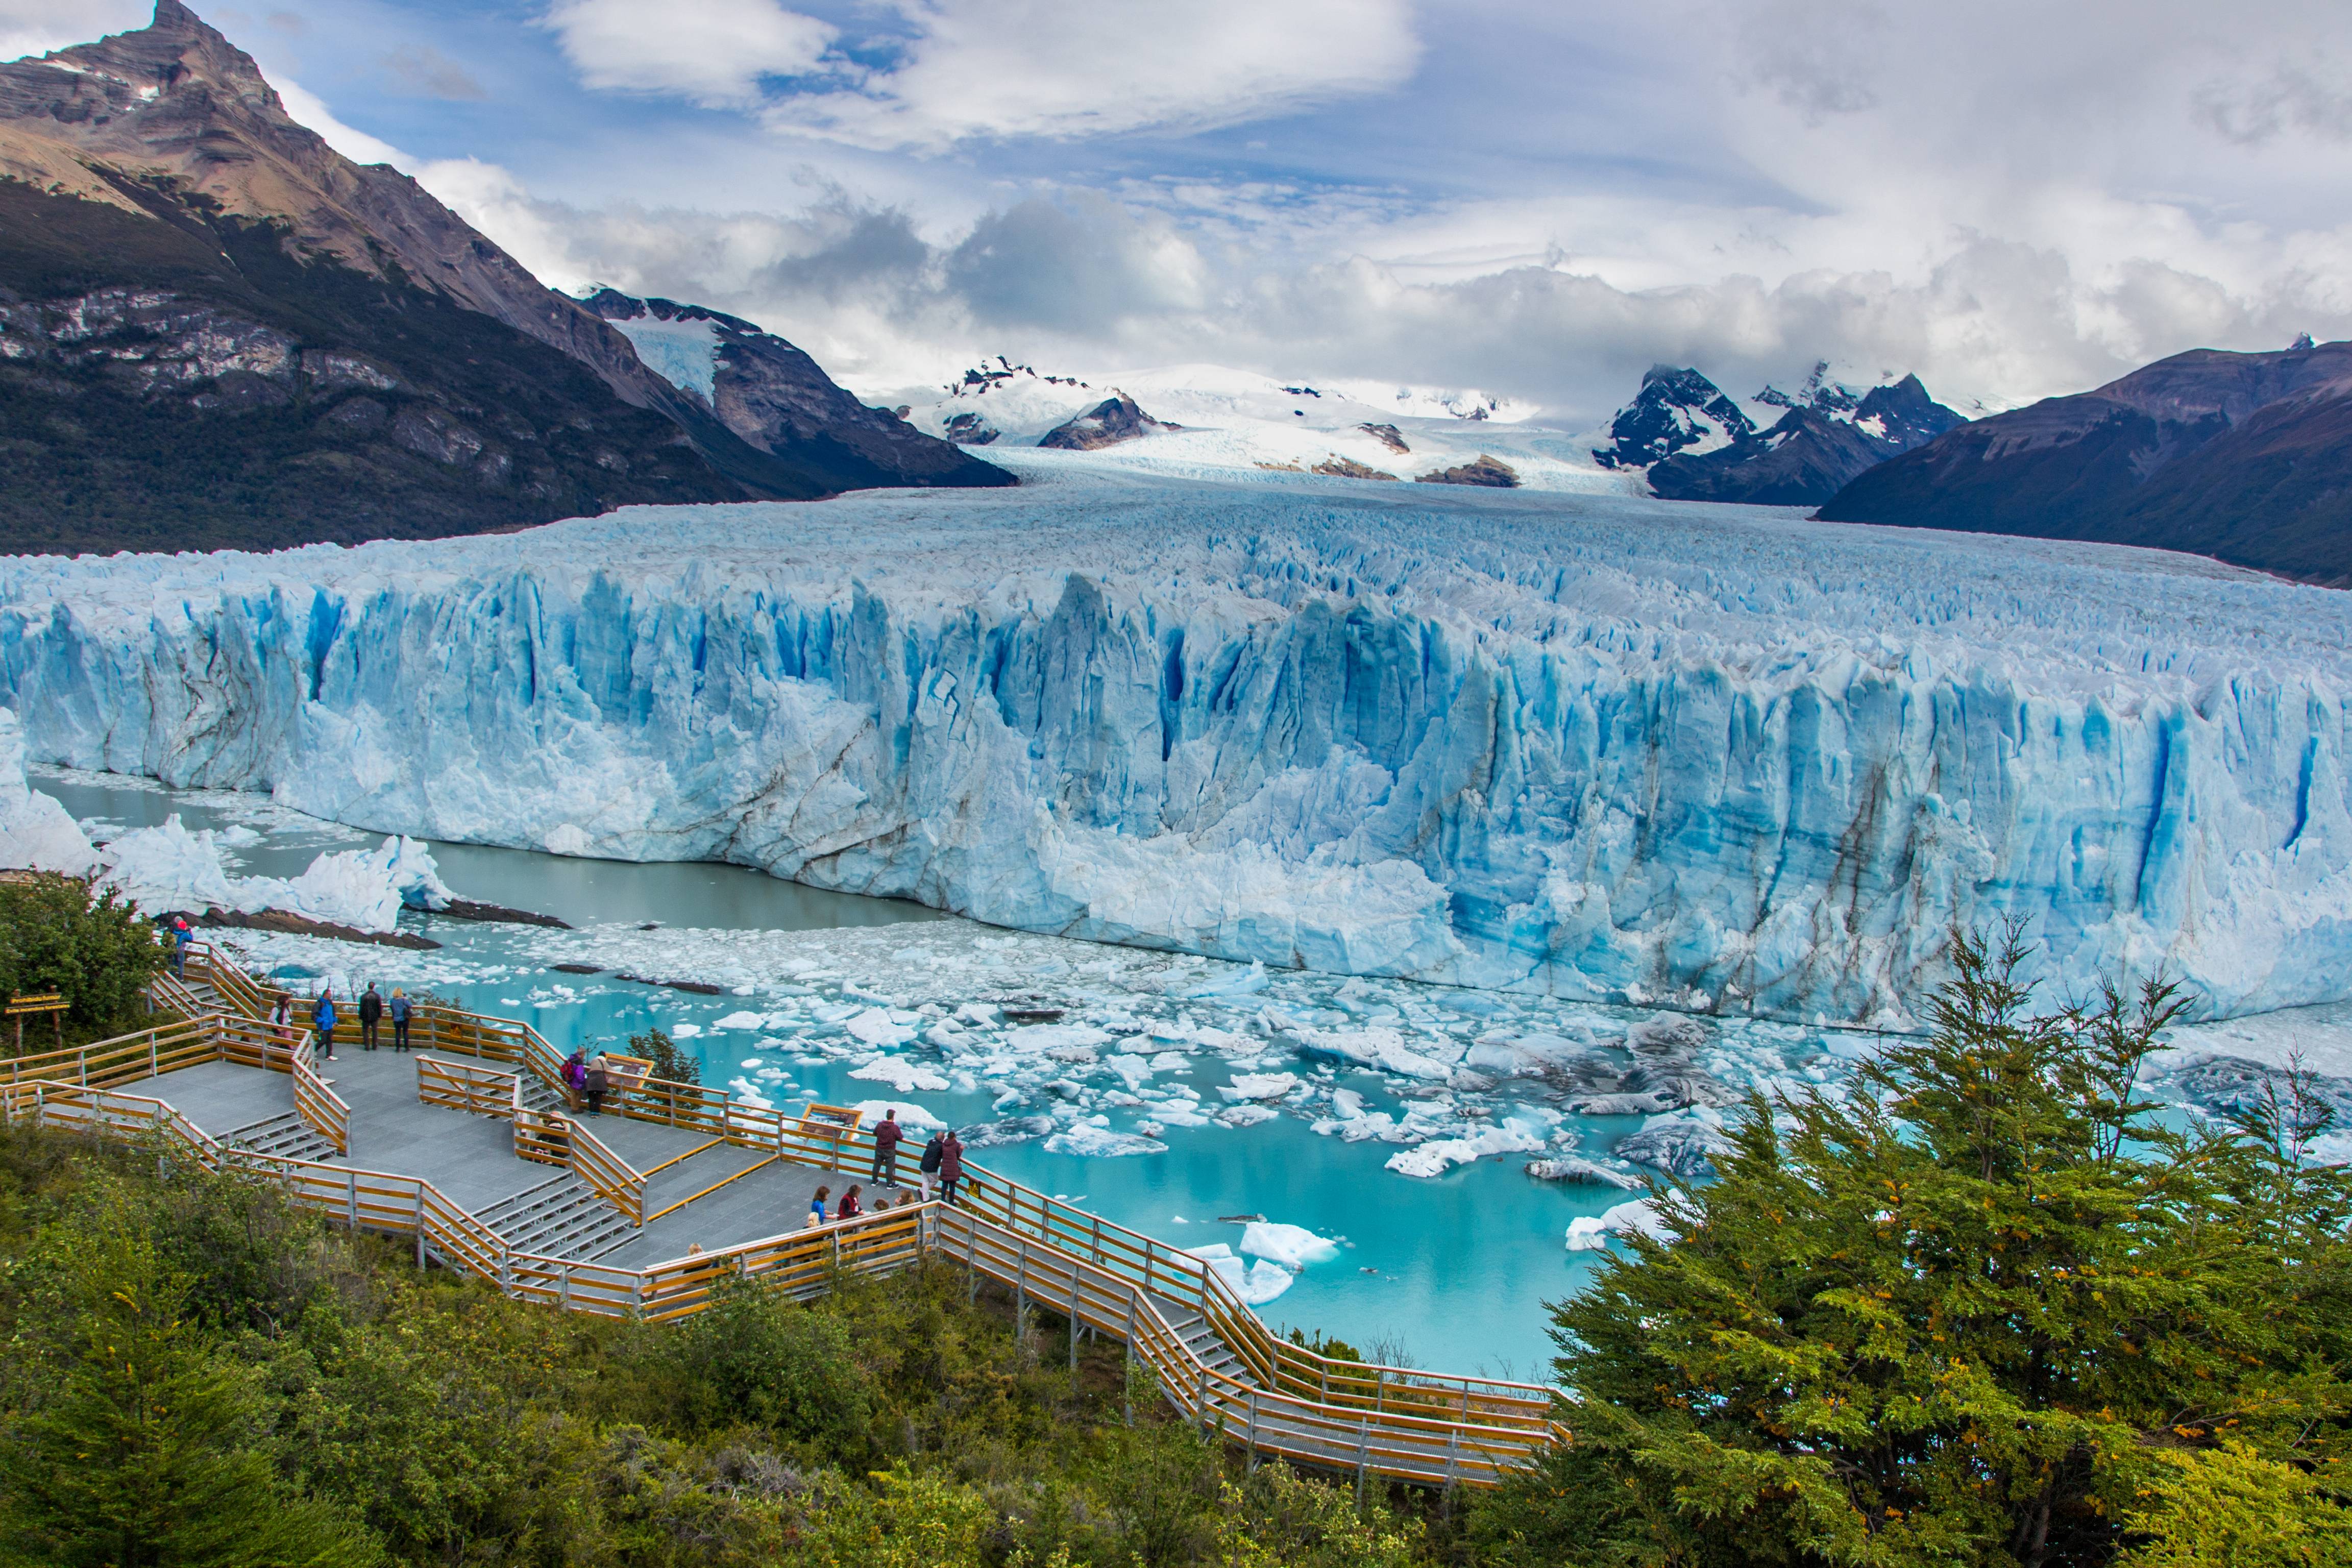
(1240, 419)
(1592, 746)
(1693, 442)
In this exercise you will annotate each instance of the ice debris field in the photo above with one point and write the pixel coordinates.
(1584, 747)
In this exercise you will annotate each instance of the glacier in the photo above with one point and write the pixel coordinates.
(1588, 746)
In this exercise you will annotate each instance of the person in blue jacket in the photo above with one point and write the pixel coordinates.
(323, 1016)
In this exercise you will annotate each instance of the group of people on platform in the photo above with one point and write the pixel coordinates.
(940, 1168)
(373, 1008)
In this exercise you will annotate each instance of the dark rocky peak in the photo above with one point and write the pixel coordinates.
(1902, 414)
(2302, 341)
(1818, 391)
(778, 399)
(976, 381)
(175, 52)
(1675, 409)
(1486, 470)
(1114, 419)
(1387, 436)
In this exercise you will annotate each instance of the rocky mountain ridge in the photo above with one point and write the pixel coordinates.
(216, 330)
(2243, 456)
(1694, 442)
(778, 399)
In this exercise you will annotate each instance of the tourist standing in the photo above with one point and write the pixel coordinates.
(400, 1009)
(181, 937)
(371, 1015)
(951, 1166)
(323, 1017)
(594, 1084)
(932, 1152)
(575, 1077)
(885, 1149)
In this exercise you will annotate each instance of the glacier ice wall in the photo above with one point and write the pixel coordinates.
(1599, 747)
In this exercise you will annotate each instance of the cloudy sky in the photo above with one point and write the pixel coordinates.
(1537, 198)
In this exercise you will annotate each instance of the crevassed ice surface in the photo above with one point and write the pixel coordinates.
(1590, 746)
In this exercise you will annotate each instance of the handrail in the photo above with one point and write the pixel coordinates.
(321, 1108)
(461, 1086)
(621, 1183)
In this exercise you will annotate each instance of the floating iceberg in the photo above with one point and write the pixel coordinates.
(1591, 1234)
(1256, 1283)
(1438, 1155)
(169, 868)
(1587, 747)
(36, 834)
(900, 1073)
(1293, 1247)
(1101, 1142)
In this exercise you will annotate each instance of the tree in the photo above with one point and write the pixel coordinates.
(1961, 1312)
(97, 951)
(148, 1452)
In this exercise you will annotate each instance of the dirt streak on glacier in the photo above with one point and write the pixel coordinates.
(1709, 757)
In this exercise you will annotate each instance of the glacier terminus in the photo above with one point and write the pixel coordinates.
(1576, 744)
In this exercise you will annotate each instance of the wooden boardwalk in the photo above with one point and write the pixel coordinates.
(467, 1144)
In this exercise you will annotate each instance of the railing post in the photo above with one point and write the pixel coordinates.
(1363, 1455)
(1201, 1402)
(1074, 1315)
(352, 1200)
(970, 1256)
(1127, 1385)
(1453, 1448)
(1249, 1465)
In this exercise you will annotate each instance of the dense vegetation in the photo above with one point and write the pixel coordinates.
(92, 949)
(199, 1374)
(1987, 1307)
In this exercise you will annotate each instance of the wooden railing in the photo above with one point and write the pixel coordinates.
(620, 1182)
(1376, 1419)
(321, 1108)
(461, 1086)
(126, 1059)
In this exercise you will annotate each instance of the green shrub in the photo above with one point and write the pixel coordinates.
(94, 949)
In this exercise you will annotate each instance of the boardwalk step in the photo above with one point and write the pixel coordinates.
(285, 1136)
(561, 1217)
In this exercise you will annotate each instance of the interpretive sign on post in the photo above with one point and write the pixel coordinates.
(32, 1005)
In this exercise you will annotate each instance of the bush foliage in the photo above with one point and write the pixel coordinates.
(94, 949)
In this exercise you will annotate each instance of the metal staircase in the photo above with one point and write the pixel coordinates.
(285, 1136)
(562, 1217)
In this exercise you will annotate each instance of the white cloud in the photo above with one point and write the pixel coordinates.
(710, 52)
(998, 68)
(37, 27)
(307, 109)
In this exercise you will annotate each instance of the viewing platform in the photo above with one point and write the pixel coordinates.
(469, 1144)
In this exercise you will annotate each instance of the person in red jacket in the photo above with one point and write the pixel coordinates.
(951, 1166)
(886, 1137)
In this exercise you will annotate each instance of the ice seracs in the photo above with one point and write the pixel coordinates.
(1586, 747)
(36, 834)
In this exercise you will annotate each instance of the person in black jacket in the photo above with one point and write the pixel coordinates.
(932, 1152)
(370, 1014)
